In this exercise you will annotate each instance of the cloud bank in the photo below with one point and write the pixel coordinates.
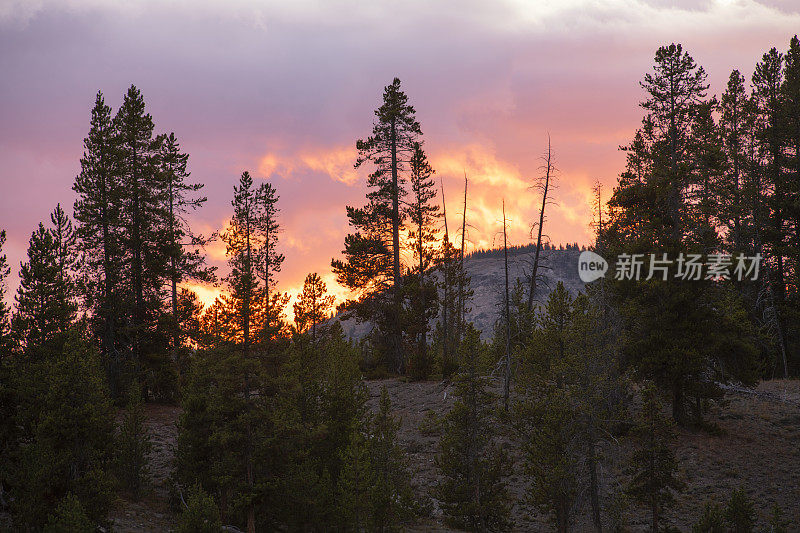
(284, 89)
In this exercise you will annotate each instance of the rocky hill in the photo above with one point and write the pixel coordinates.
(485, 268)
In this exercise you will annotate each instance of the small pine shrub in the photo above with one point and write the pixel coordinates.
(712, 520)
(472, 491)
(740, 514)
(373, 488)
(617, 511)
(201, 515)
(69, 517)
(777, 523)
(134, 445)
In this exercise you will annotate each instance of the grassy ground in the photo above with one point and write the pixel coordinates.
(758, 448)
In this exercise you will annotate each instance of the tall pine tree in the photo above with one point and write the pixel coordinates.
(738, 191)
(142, 217)
(98, 228)
(46, 308)
(268, 256)
(372, 265)
(182, 246)
(5, 310)
(658, 208)
(424, 215)
(767, 81)
(247, 236)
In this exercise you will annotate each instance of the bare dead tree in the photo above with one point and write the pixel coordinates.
(507, 375)
(544, 184)
(460, 307)
(597, 209)
(446, 287)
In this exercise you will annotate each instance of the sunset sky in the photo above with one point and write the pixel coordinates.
(284, 89)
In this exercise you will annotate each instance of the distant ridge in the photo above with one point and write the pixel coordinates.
(521, 249)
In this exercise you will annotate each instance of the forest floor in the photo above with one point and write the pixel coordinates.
(758, 448)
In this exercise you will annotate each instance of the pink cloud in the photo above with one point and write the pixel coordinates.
(285, 89)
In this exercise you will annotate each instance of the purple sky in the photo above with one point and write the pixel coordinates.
(285, 89)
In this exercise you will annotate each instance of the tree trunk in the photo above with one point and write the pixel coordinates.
(446, 296)
(534, 270)
(174, 273)
(507, 376)
(109, 326)
(678, 411)
(137, 267)
(423, 334)
(768, 281)
(267, 310)
(654, 514)
(397, 282)
(251, 514)
(461, 303)
(562, 516)
(594, 485)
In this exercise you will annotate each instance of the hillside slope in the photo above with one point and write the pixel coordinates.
(758, 449)
(486, 271)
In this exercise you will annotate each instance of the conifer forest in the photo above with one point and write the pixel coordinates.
(474, 313)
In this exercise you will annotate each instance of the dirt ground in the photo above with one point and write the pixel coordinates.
(758, 449)
(152, 512)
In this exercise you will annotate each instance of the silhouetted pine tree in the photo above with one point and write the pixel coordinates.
(767, 80)
(372, 265)
(45, 308)
(655, 209)
(8, 402)
(142, 220)
(243, 238)
(708, 166)
(64, 418)
(6, 341)
(790, 100)
(98, 229)
(268, 255)
(190, 311)
(739, 192)
(181, 245)
(653, 467)
(313, 306)
(423, 215)
(790, 126)
(66, 254)
(472, 493)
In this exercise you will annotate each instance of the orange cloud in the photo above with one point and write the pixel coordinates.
(493, 180)
(206, 293)
(336, 162)
(310, 240)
